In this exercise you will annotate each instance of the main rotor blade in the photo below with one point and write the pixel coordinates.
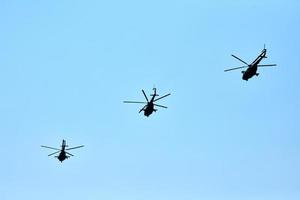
(50, 147)
(75, 147)
(239, 59)
(142, 108)
(145, 95)
(271, 65)
(69, 154)
(162, 97)
(54, 153)
(134, 102)
(226, 70)
(160, 106)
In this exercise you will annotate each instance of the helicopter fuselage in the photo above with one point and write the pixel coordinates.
(62, 156)
(149, 109)
(250, 72)
(252, 69)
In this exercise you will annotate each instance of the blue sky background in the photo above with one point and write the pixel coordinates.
(66, 67)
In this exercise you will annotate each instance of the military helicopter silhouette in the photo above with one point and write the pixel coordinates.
(149, 107)
(252, 68)
(63, 151)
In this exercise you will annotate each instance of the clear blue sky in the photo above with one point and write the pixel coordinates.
(66, 67)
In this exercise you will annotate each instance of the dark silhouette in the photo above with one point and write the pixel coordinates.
(149, 107)
(252, 68)
(62, 152)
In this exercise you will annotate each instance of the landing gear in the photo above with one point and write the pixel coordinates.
(257, 74)
(243, 72)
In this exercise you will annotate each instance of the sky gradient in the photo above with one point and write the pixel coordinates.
(66, 67)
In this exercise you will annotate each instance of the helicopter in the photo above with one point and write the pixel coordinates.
(63, 154)
(149, 107)
(252, 68)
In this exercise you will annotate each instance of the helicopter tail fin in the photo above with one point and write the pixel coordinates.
(64, 144)
(264, 51)
(154, 89)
